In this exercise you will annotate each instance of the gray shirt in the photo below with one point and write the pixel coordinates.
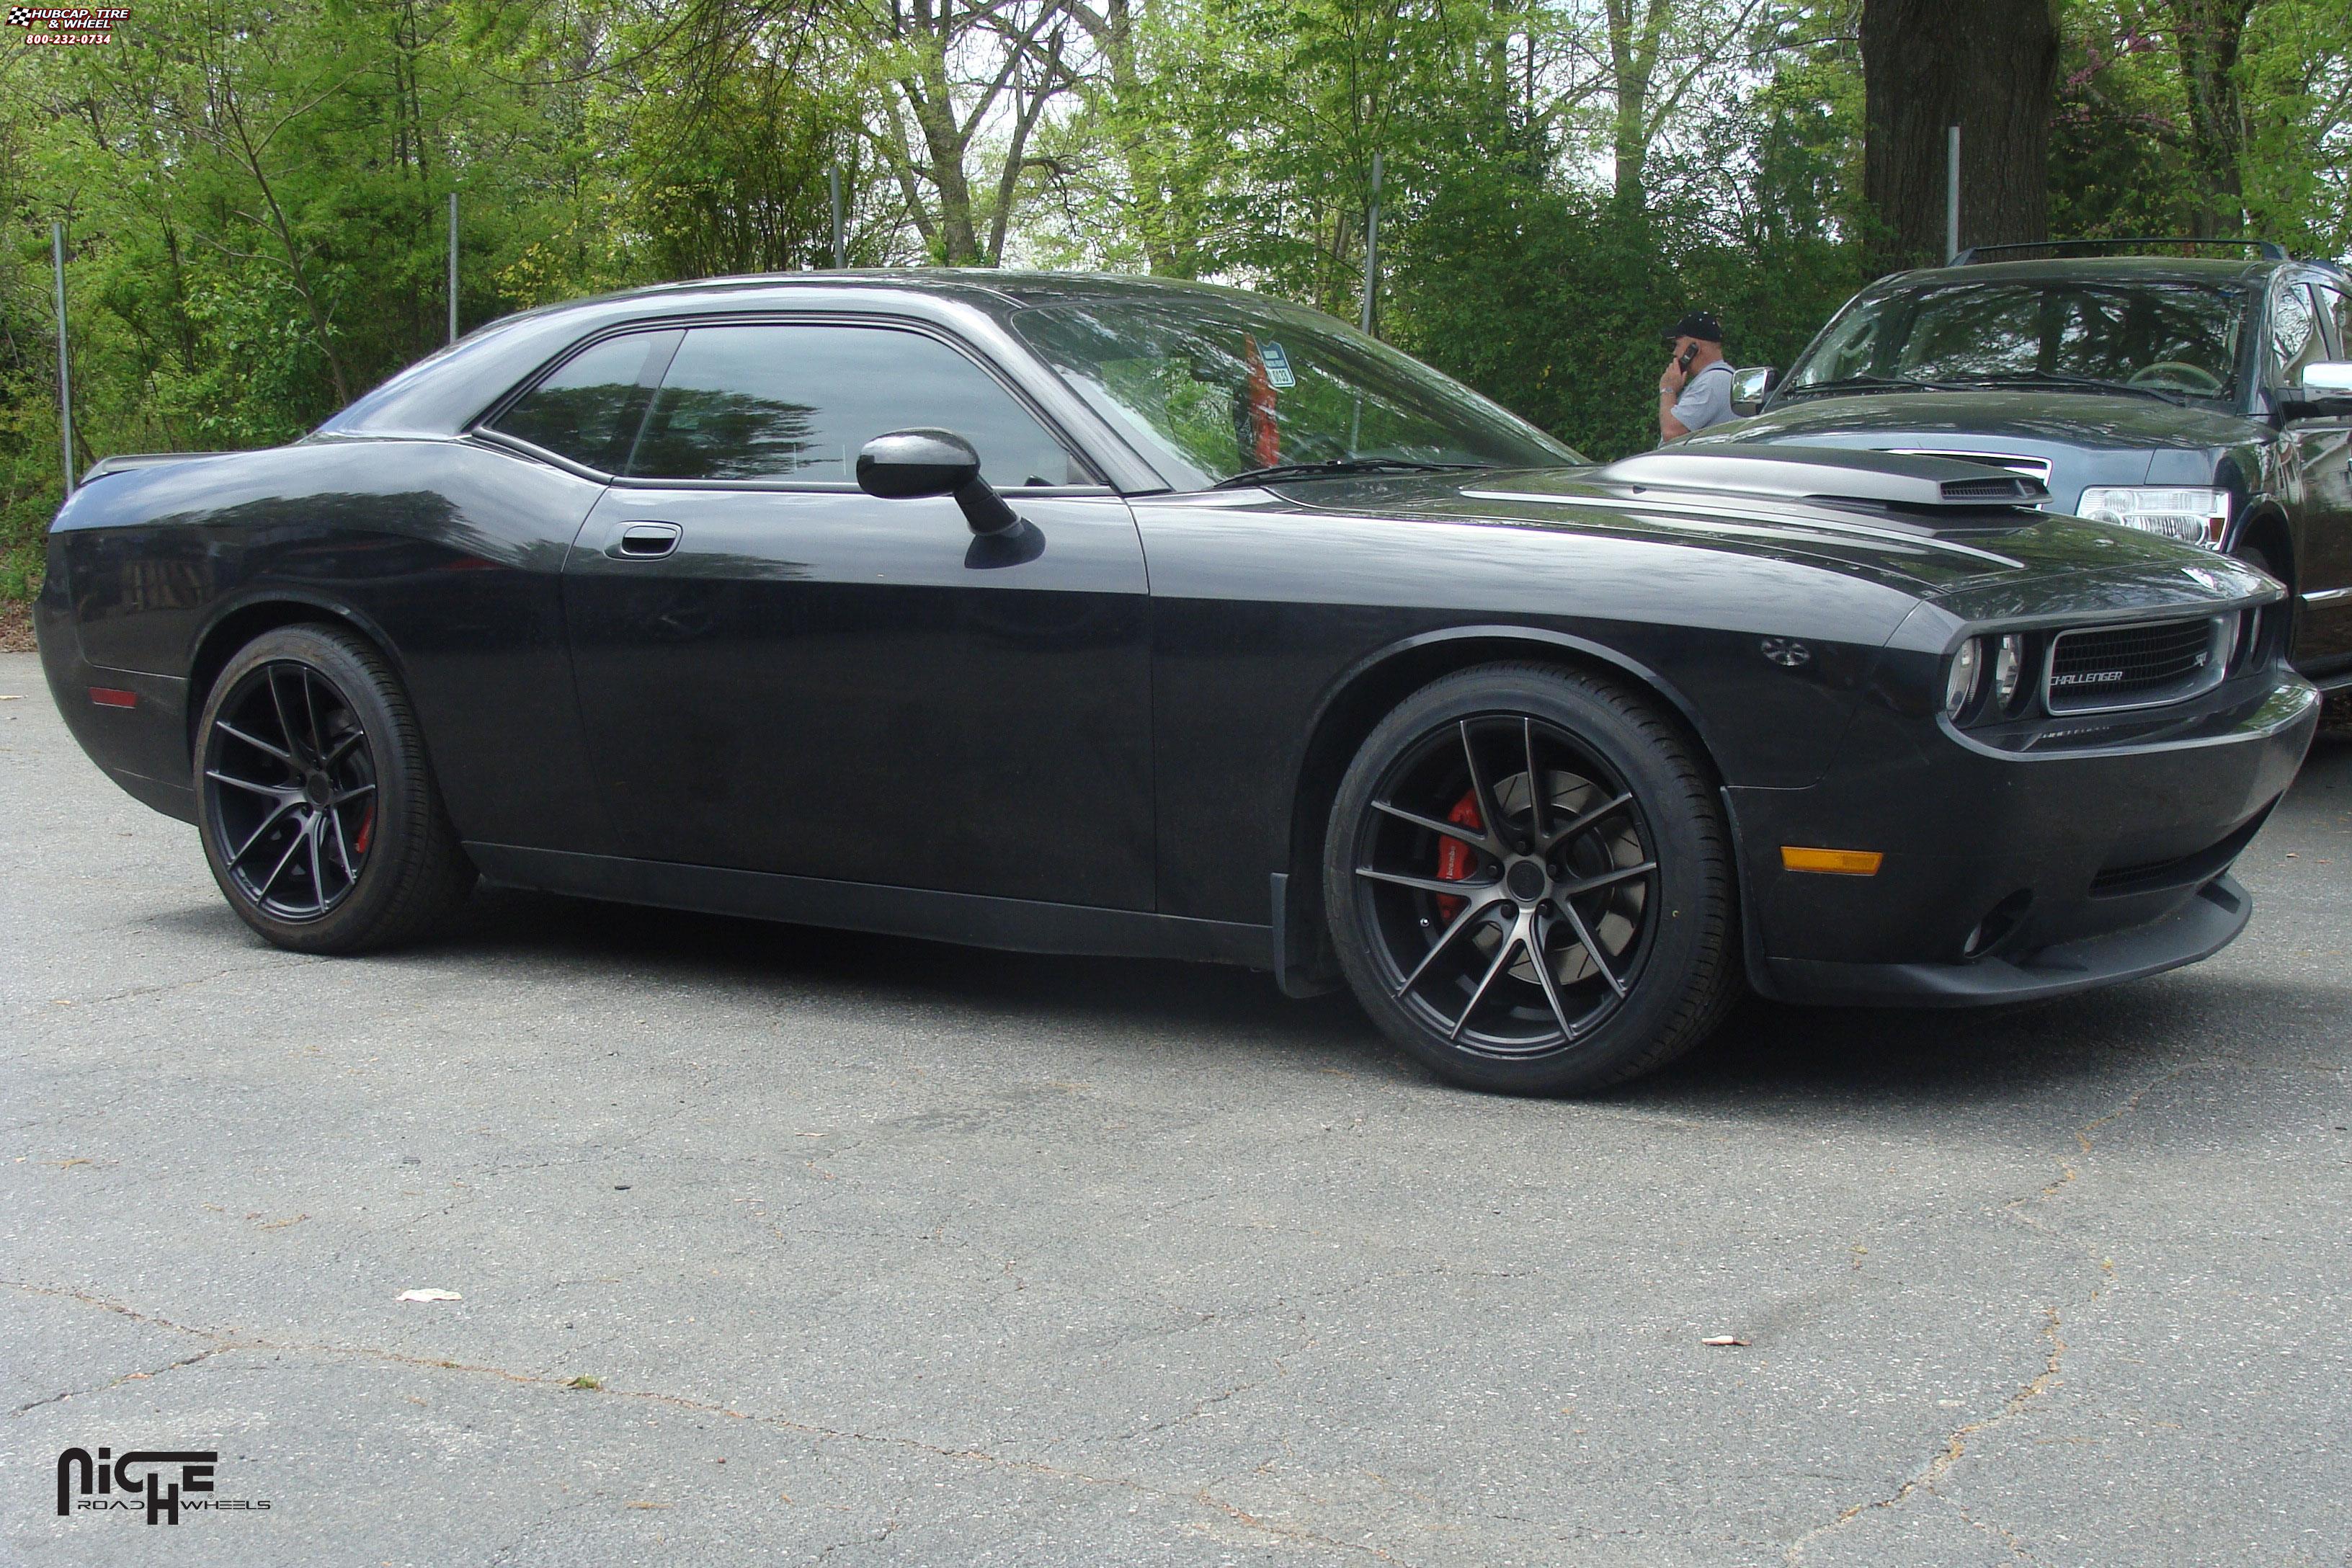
(1706, 397)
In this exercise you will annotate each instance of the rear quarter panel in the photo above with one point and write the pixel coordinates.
(446, 554)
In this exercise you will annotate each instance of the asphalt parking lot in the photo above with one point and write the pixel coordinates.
(776, 1245)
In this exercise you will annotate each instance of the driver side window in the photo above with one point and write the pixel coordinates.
(794, 403)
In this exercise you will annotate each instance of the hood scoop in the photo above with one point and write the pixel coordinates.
(1836, 476)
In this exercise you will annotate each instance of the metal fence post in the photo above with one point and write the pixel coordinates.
(1372, 245)
(832, 184)
(453, 267)
(64, 362)
(1952, 196)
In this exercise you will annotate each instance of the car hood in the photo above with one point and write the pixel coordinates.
(2015, 568)
(2084, 421)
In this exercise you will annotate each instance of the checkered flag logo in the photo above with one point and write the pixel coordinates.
(20, 15)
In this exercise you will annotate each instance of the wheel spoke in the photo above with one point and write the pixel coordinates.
(267, 823)
(343, 747)
(311, 712)
(1568, 891)
(1543, 978)
(1503, 952)
(235, 733)
(1536, 813)
(353, 794)
(1450, 887)
(313, 831)
(343, 846)
(261, 891)
(1585, 822)
(1485, 841)
(1473, 914)
(275, 792)
(285, 724)
(1480, 792)
(1591, 948)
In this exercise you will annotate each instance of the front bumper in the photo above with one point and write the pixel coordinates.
(2007, 876)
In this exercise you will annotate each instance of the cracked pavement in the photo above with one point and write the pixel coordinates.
(879, 1252)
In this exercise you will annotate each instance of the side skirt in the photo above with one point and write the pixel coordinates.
(974, 919)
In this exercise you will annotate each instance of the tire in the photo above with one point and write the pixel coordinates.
(317, 806)
(1631, 903)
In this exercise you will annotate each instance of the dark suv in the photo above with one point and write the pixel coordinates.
(2207, 399)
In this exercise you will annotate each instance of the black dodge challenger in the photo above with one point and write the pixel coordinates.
(1114, 616)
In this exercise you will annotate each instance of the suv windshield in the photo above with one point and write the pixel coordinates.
(2167, 338)
(1211, 387)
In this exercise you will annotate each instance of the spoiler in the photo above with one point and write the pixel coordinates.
(1830, 474)
(121, 461)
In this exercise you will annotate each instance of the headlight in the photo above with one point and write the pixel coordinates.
(2192, 516)
(1960, 684)
(2008, 670)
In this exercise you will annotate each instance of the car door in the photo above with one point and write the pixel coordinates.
(2323, 447)
(779, 673)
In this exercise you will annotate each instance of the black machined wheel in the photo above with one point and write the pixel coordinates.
(1529, 882)
(317, 805)
(1509, 881)
(290, 790)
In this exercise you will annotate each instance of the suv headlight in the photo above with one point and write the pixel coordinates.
(2192, 516)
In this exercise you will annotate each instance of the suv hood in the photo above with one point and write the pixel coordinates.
(2079, 420)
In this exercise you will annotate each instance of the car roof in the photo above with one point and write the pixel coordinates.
(987, 287)
(2206, 270)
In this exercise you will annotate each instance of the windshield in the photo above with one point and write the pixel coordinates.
(2176, 337)
(1209, 388)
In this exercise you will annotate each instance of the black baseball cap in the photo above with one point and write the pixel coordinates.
(1699, 324)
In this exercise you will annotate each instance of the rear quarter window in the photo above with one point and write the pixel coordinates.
(590, 407)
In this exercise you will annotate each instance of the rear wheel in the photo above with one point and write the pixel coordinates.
(318, 810)
(1530, 883)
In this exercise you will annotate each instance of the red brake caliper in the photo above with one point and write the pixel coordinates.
(367, 831)
(1455, 859)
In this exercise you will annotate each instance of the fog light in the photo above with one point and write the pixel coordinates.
(1960, 682)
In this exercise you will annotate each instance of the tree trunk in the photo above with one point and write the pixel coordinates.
(1990, 67)
(2206, 35)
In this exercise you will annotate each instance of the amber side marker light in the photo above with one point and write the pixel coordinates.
(113, 697)
(1836, 862)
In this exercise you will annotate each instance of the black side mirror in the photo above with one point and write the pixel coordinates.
(906, 465)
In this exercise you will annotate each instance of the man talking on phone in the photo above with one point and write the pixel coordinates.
(1696, 390)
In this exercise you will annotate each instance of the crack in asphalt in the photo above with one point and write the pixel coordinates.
(1956, 1442)
(221, 1341)
(1954, 1446)
(117, 1382)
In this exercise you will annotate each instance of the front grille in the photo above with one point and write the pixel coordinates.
(2102, 670)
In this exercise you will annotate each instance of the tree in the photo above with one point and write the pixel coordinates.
(1989, 67)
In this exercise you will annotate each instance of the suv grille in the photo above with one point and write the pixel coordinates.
(2131, 667)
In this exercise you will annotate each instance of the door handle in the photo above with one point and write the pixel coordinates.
(643, 540)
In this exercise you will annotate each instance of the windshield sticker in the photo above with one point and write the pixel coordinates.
(1277, 367)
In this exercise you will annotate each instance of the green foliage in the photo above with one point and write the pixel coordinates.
(257, 207)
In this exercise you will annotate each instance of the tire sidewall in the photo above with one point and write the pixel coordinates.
(371, 699)
(1691, 885)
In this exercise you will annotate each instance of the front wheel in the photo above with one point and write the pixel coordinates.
(316, 803)
(1530, 883)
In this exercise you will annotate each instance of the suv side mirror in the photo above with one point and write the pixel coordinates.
(2326, 391)
(907, 465)
(1749, 386)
